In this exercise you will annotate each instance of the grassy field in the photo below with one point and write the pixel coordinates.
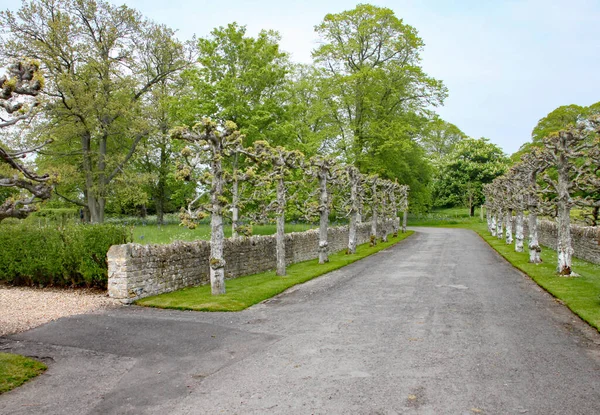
(16, 370)
(245, 291)
(154, 234)
(581, 294)
(444, 217)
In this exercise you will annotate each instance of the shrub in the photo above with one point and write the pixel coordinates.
(72, 255)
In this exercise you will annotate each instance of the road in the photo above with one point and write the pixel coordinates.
(438, 324)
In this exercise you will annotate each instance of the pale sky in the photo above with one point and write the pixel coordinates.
(506, 63)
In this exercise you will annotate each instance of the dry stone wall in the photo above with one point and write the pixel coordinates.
(585, 239)
(136, 271)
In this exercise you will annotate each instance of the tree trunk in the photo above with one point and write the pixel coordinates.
(374, 218)
(324, 218)
(534, 245)
(384, 222)
(499, 225)
(493, 225)
(509, 235)
(161, 186)
(488, 216)
(564, 247)
(235, 211)
(472, 208)
(519, 231)
(353, 212)
(280, 238)
(481, 213)
(217, 236)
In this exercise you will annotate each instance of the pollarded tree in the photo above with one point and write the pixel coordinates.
(529, 168)
(22, 80)
(100, 62)
(355, 181)
(280, 163)
(589, 184)
(208, 145)
(562, 151)
(327, 171)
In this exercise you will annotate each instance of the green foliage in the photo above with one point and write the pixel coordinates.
(378, 93)
(72, 255)
(462, 174)
(439, 138)
(444, 217)
(16, 370)
(239, 78)
(100, 61)
(246, 291)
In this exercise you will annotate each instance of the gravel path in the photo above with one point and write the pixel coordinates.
(23, 308)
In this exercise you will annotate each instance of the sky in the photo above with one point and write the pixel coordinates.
(506, 63)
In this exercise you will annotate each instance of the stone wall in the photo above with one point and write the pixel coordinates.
(136, 271)
(585, 239)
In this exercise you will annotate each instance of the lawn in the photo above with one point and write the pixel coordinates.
(245, 291)
(581, 294)
(16, 370)
(165, 234)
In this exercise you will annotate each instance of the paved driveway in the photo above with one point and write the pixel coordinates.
(438, 324)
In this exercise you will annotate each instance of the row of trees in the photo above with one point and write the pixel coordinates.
(551, 179)
(217, 161)
(116, 84)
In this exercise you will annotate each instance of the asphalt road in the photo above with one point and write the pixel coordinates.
(438, 324)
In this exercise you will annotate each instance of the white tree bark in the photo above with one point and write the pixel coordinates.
(384, 224)
(374, 218)
(534, 244)
(499, 233)
(493, 225)
(564, 247)
(519, 235)
(508, 230)
(235, 210)
(217, 236)
(280, 238)
(353, 175)
(324, 216)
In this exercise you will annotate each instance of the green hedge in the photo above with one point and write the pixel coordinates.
(72, 255)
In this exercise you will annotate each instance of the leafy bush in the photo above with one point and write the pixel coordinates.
(72, 255)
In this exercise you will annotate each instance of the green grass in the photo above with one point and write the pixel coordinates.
(444, 217)
(16, 370)
(245, 291)
(154, 234)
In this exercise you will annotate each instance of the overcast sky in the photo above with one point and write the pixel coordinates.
(506, 63)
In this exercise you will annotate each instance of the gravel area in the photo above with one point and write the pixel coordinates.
(23, 308)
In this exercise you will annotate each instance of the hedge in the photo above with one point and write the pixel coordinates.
(72, 255)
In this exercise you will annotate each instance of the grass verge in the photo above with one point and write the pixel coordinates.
(246, 291)
(581, 294)
(16, 370)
